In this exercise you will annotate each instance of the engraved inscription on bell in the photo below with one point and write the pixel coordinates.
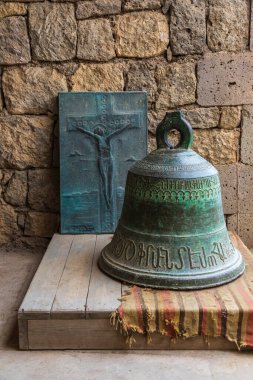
(163, 257)
(101, 136)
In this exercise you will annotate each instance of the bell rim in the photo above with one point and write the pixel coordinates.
(184, 282)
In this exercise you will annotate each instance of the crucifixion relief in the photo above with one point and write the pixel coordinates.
(103, 127)
(105, 158)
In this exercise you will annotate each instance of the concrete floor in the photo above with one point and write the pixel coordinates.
(16, 271)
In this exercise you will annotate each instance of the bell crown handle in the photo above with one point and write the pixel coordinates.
(174, 120)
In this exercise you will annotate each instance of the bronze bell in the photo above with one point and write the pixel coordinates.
(172, 233)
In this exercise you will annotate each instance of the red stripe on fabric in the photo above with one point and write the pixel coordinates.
(239, 325)
(223, 314)
(169, 312)
(249, 301)
(203, 319)
(138, 304)
(219, 315)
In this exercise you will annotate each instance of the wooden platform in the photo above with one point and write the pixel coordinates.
(70, 300)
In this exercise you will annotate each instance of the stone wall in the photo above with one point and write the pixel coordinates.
(190, 54)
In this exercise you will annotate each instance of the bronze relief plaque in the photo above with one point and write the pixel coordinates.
(102, 134)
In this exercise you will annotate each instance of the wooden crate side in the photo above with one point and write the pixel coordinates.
(23, 334)
(98, 334)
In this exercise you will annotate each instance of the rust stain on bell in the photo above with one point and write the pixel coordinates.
(172, 233)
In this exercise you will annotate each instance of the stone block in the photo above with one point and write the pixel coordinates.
(230, 117)
(23, 1)
(232, 222)
(26, 141)
(98, 77)
(41, 224)
(87, 9)
(1, 96)
(251, 28)
(15, 192)
(95, 40)
(14, 41)
(229, 188)
(202, 117)
(5, 176)
(12, 9)
(176, 84)
(8, 224)
(141, 76)
(141, 34)
(62, 1)
(151, 143)
(53, 31)
(245, 229)
(43, 191)
(228, 25)
(32, 90)
(225, 79)
(65, 68)
(245, 189)
(138, 5)
(166, 6)
(56, 153)
(21, 219)
(1, 178)
(188, 27)
(219, 146)
(199, 118)
(154, 118)
(247, 135)
(169, 55)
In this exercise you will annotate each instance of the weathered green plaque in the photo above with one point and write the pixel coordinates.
(101, 136)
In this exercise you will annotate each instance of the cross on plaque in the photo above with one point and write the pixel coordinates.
(101, 135)
(102, 127)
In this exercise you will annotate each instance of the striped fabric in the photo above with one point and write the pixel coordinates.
(225, 311)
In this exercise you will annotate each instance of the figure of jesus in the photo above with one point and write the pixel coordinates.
(105, 159)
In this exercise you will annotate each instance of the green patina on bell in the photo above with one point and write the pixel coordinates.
(172, 232)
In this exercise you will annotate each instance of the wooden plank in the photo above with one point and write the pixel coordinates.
(71, 295)
(23, 334)
(40, 295)
(98, 334)
(104, 292)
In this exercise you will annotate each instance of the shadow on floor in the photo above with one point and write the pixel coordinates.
(17, 269)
